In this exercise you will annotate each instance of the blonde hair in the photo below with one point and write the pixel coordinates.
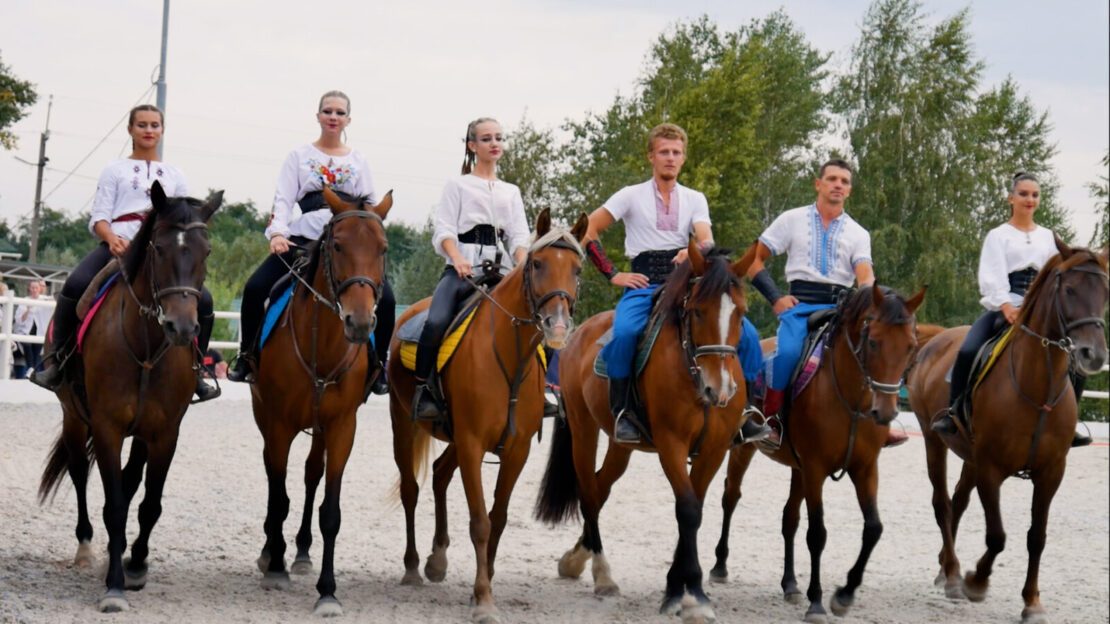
(666, 131)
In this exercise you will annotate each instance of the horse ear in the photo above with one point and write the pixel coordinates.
(215, 200)
(332, 200)
(876, 295)
(157, 196)
(581, 227)
(1062, 247)
(697, 261)
(915, 301)
(741, 266)
(382, 209)
(543, 223)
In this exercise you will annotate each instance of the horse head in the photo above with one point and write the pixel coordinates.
(172, 249)
(880, 329)
(705, 297)
(551, 275)
(352, 258)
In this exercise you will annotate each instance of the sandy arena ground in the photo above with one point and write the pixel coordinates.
(203, 551)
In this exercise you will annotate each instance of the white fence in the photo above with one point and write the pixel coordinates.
(7, 317)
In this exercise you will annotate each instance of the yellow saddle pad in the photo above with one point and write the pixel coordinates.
(995, 353)
(448, 346)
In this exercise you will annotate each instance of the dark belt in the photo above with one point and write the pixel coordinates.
(484, 234)
(656, 265)
(816, 292)
(1021, 280)
(314, 200)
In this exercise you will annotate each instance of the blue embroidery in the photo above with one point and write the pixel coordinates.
(824, 243)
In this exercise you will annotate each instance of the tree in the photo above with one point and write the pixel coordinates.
(58, 231)
(1100, 191)
(15, 97)
(531, 163)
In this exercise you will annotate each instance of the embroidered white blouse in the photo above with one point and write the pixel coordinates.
(816, 253)
(646, 228)
(308, 169)
(467, 201)
(124, 188)
(1007, 249)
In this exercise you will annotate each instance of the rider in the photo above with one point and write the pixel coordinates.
(827, 251)
(121, 203)
(1012, 254)
(478, 217)
(659, 217)
(327, 161)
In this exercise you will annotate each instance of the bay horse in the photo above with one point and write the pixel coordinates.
(311, 377)
(836, 426)
(533, 302)
(693, 416)
(1022, 418)
(134, 376)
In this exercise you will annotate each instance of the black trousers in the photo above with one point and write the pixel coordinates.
(981, 331)
(451, 291)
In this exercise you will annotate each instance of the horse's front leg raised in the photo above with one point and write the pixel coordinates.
(339, 437)
(867, 489)
(739, 458)
(1044, 489)
(108, 447)
(443, 470)
(313, 472)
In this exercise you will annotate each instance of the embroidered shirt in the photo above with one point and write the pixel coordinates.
(816, 253)
(468, 201)
(124, 188)
(647, 226)
(1007, 249)
(308, 169)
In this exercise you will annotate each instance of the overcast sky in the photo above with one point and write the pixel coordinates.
(244, 78)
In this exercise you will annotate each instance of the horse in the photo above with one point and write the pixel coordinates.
(1022, 418)
(490, 412)
(312, 376)
(134, 377)
(690, 416)
(841, 419)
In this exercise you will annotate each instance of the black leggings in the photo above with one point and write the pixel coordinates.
(449, 293)
(981, 331)
(261, 282)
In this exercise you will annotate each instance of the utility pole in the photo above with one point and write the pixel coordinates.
(161, 98)
(33, 256)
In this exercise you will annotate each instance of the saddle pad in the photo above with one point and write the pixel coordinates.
(409, 336)
(93, 290)
(643, 348)
(94, 307)
(989, 356)
(811, 362)
(273, 313)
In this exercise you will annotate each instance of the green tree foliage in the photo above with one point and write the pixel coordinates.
(531, 162)
(16, 96)
(1100, 191)
(60, 236)
(416, 276)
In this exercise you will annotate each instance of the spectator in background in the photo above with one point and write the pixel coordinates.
(32, 321)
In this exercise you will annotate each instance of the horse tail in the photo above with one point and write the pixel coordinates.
(421, 458)
(57, 465)
(558, 499)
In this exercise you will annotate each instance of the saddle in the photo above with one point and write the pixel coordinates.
(94, 290)
(984, 361)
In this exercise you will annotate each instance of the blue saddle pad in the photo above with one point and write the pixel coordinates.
(273, 313)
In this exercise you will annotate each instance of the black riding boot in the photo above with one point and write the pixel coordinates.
(624, 428)
(1078, 383)
(945, 424)
(426, 404)
(204, 391)
(64, 330)
(755, 427)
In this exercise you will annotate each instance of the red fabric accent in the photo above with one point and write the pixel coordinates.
(134, 216)
(772, 401)
(88, 319)
(599, 259)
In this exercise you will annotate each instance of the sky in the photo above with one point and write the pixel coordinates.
(244, 79)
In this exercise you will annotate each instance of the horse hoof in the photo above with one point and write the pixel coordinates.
(954, 590)
(275, 580)
(85, 556)
(113, 601)
(263, 562)
(941, 579)
(605, 590)
(485, 614)
(1034, 615)
(301, 565)
(972, 590)
(327, 606)
(719, 574)
(412, 578)
(435, 568)
(573, 562)
(671, 606)
(840, 605)
(698, 614)
(134, 579)
(793, 597)
(816, 618)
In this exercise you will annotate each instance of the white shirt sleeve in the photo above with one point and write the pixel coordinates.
(777, 236)
(365, 186)
(105, 200)
(862, 252)
(619, 204)
(700, 213)
(994, 281)
(285, 196)
(447, 217)
(519, 235)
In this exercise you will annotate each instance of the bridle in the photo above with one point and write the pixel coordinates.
(155, 310)
(692, 350)
(860, 357)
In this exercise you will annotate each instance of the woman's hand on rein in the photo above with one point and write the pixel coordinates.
(118, 246)
(279, 244)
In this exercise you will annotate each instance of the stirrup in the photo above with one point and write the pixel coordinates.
(205, 392)
(946, 424)
(49, 378)
(755, 427)
(242, 369)
(425, 405)
(629, 426)
(773, 441)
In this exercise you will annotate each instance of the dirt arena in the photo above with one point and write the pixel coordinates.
(202, 566)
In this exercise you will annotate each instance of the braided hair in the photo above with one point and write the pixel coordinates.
(472, 135)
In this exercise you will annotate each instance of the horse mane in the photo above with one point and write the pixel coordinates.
(892, 311)
(1033, 295)
(177, 210)
(718, 279)
(557, 234)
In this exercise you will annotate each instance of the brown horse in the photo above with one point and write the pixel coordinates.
(134, 377)
(836, 426)
(689, 416)
(312, 376)
(1023, 414)
(534, 301)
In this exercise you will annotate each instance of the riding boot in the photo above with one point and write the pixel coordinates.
(772, 404)
(426, 404)
(64, 329)
(755, 427)
(204, 391)
(241, 369)
(624, 428)
(895, 437)
(380, 385)
(1078, 383)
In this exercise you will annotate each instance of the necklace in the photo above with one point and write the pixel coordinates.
(1028, 233)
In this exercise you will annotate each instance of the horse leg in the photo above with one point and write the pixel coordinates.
(612, 468)
(936, 455)
(133, 470)
(791, 517)
(108, 446)
(275, 455)
(404, 434)
(739, 457)
(867, 490)
(573, 561)
(813, 482)
(75, 436)
(470, 454)
(977, 582)
(313, 472)
(685, 570)
(512, 462)
(443, 470)
(339, 437)
(1044, 489)
(151, 508)
(961, 497)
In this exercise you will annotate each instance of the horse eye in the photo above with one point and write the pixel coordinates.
(335, 246)
(536, 264)
(872, 344)
(1069, 291)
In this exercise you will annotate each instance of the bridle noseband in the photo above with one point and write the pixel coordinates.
(1065, 343)
(860, 356)
(155, 310)
(337, 289)
(694, 351)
